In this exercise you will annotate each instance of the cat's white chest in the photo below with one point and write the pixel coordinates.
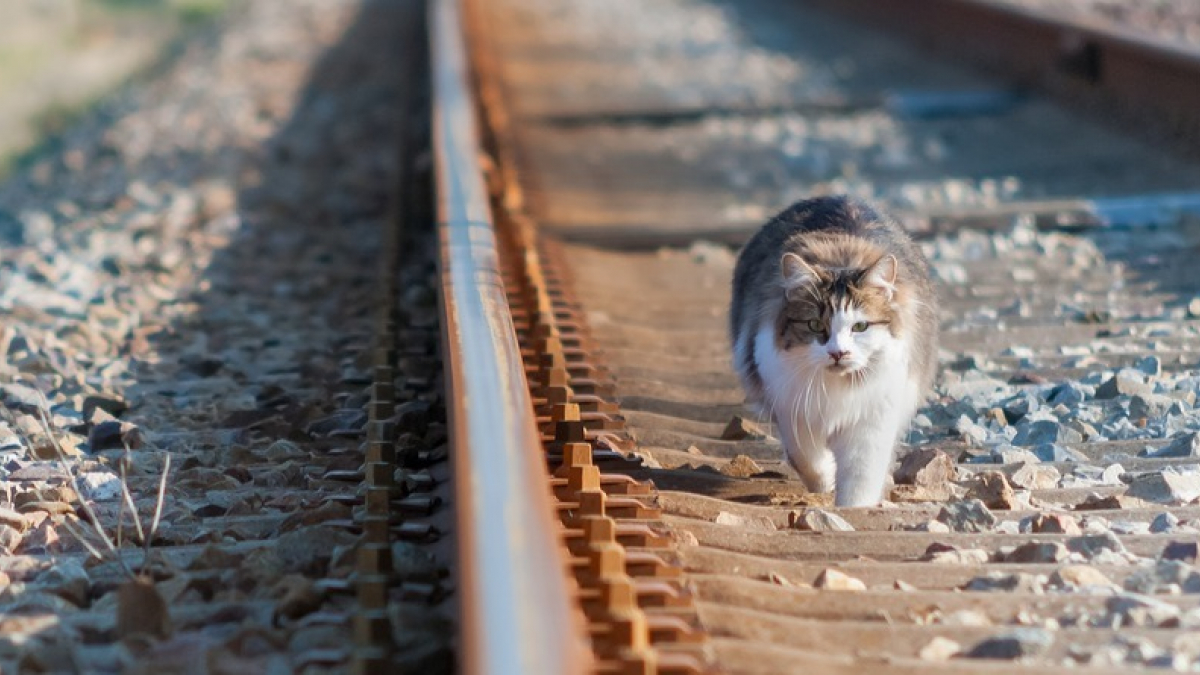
(804, 393)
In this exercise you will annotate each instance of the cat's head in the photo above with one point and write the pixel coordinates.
(839, 317)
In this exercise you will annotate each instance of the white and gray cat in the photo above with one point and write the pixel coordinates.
(834, 327)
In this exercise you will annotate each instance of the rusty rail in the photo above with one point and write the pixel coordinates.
(517, 609)
(1087, 61)
(638, 606)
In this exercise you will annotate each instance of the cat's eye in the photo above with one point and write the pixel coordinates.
(860, 326)
(814, 325)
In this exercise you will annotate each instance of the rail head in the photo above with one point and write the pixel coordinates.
(517, 608)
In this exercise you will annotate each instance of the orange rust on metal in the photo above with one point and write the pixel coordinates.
(517, 606)
(603, 513)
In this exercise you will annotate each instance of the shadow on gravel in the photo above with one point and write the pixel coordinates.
(284, 308)
(278, 348)
(256, 381)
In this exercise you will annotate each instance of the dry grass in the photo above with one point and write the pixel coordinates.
(99, 538)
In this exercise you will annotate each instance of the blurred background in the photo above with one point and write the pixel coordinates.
(57, 57)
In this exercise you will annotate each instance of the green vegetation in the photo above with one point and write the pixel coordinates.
(59, 57)
(187, 11)
(198, 11)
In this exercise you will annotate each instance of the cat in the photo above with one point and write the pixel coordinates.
(834, 331)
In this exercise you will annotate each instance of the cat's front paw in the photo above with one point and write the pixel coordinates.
(819, 477)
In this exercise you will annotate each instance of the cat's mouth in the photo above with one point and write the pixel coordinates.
(844, 368)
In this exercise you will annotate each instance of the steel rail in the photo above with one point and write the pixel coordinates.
(517, 608)
(1081, 58)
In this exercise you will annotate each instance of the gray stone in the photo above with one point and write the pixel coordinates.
(1084, 429)
(970, 431)
(972, 385)
(820, 520)
(939, 649)
(110, 404)
(1150, 405)
(1014, 644)
(1165, 487)
(943, 554)
(1050, 523)
(100, 486)
(1180, 424)
(1046, 431)
(1193, 308)
(114, 435)
(741, 466)
(1150, 365)
(1186, 444)
(994, 490)
(412, 416)
(341, 420)
(67, 579)
(1011, 455)
(975, 456)
(836, 580)
(1038, 552)
(106, 435)
(925, 466)
(930, 526)
(1112, 474)
(709, 253)
(1017, 407)
(742, 429)
(413, 563)
(1164, 522)
(1069, 394)
(1053, 452)
(999, 581)
(1036, 477)
(1184, 394)
(1127, 382)
(22, 399)
(1092, 545)
(1130, 609)
(308, 550)
(1166, 576)
(944, 415)
(969, 362)
(1130, 527)
(967, 516)
(1186, 551)
(1079, 576)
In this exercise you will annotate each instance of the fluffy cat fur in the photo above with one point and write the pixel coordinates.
(834, 329)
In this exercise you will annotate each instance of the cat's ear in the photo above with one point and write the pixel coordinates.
(882, 275)
(796, 272)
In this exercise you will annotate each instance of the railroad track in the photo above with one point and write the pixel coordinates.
(618, 511)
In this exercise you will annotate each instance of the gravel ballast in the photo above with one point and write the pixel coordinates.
(187, 284)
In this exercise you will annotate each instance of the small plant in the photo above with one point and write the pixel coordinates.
(140, 608)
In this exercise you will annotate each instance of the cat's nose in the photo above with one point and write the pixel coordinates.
(838, 356)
